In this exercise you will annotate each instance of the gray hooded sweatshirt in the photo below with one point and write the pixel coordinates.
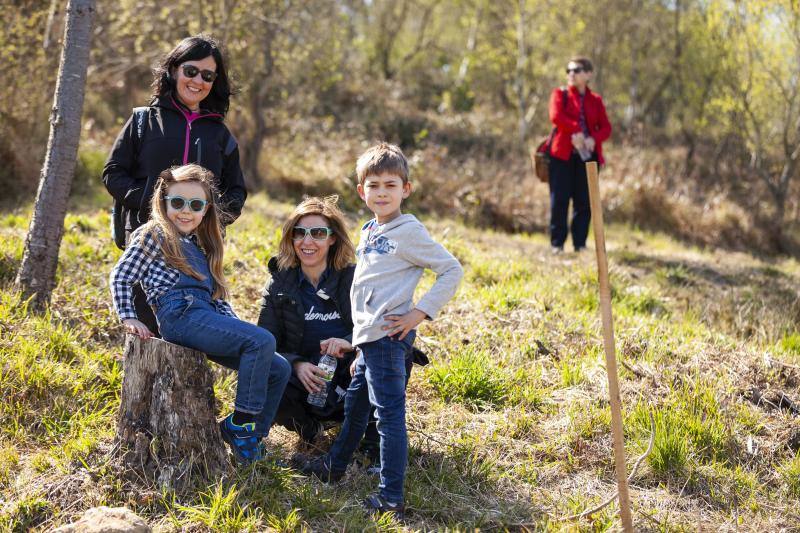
(391, 260)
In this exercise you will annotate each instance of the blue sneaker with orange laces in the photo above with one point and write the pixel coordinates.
(243, 440)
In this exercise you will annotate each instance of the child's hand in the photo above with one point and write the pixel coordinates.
(309, 375)
(137, 328)
(353, 364)
(335, 347)
(401, 324)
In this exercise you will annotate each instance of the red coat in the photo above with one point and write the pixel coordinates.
(565, 119)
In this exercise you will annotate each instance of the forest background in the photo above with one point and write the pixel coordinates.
(703, 97)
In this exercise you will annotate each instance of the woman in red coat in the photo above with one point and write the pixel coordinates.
(581, 126)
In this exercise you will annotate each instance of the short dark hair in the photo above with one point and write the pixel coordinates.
(584, 62)
(193, 49)
(382, 158)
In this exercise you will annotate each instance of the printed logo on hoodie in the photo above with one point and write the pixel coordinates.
(381, 244)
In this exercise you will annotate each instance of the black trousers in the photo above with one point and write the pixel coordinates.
(568, 182)
(295, 414)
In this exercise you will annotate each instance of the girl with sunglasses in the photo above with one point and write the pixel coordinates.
(177, 257)
(580, 127)
(184, 123)
(306, 306)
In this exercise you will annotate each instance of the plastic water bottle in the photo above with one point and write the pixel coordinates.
(328, 364)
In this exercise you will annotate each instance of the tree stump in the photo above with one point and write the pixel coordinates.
(167, 429)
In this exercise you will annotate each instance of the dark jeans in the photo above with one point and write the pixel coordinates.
(568, 182)
(380, 381)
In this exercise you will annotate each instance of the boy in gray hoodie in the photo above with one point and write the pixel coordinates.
(393, 252)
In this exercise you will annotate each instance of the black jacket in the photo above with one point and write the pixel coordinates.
(169, 139)
(283, 315)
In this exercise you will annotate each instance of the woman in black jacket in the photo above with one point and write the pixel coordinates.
(182, 124)
(306, 306)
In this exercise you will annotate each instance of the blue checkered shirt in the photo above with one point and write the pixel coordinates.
(142, 262)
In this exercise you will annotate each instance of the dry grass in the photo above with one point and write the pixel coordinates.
(708, 339)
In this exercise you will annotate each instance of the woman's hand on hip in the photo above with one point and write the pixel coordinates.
(309, 375)
(335, 347)
(137, 328)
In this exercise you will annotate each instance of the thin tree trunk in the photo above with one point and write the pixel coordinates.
(257, 104)
(520, 86)
(36, 276)
(472, 41)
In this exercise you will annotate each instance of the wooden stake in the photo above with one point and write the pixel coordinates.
(608, 341)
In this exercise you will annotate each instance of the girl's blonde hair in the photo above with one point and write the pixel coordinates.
(341, 253)
(209, 232)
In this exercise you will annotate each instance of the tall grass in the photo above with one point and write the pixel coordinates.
(509, 427)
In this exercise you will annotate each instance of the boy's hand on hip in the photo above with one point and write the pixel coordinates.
(309, 375)
(335, 347)
(137, 328)
(400, 325)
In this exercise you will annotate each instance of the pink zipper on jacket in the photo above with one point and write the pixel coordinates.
(189, 121)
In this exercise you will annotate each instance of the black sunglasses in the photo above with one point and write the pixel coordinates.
(318, 234)
(190, 71)
(577, 70)
(178, 202)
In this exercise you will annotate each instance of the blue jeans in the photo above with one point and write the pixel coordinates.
(380, 380)
(189, 318)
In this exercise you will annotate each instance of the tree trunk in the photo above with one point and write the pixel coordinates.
(520, 87)
(257, 104)
(36, 276)
(167, 430)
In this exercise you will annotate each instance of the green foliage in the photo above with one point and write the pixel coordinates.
(790, 473)
(219, 510)
(9, 461)
(791, 343)
(25, 514)
(469, 378)
(690, 429)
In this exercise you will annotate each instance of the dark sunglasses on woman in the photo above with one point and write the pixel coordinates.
(190, 71)
(178, 202)
(319, 233)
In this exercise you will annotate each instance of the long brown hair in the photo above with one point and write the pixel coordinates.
(341, 253)
(209, 234)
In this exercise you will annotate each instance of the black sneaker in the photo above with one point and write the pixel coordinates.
(375, 504)
(320, 468)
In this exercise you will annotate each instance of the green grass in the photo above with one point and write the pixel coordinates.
(469, 378)
(510, 425)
